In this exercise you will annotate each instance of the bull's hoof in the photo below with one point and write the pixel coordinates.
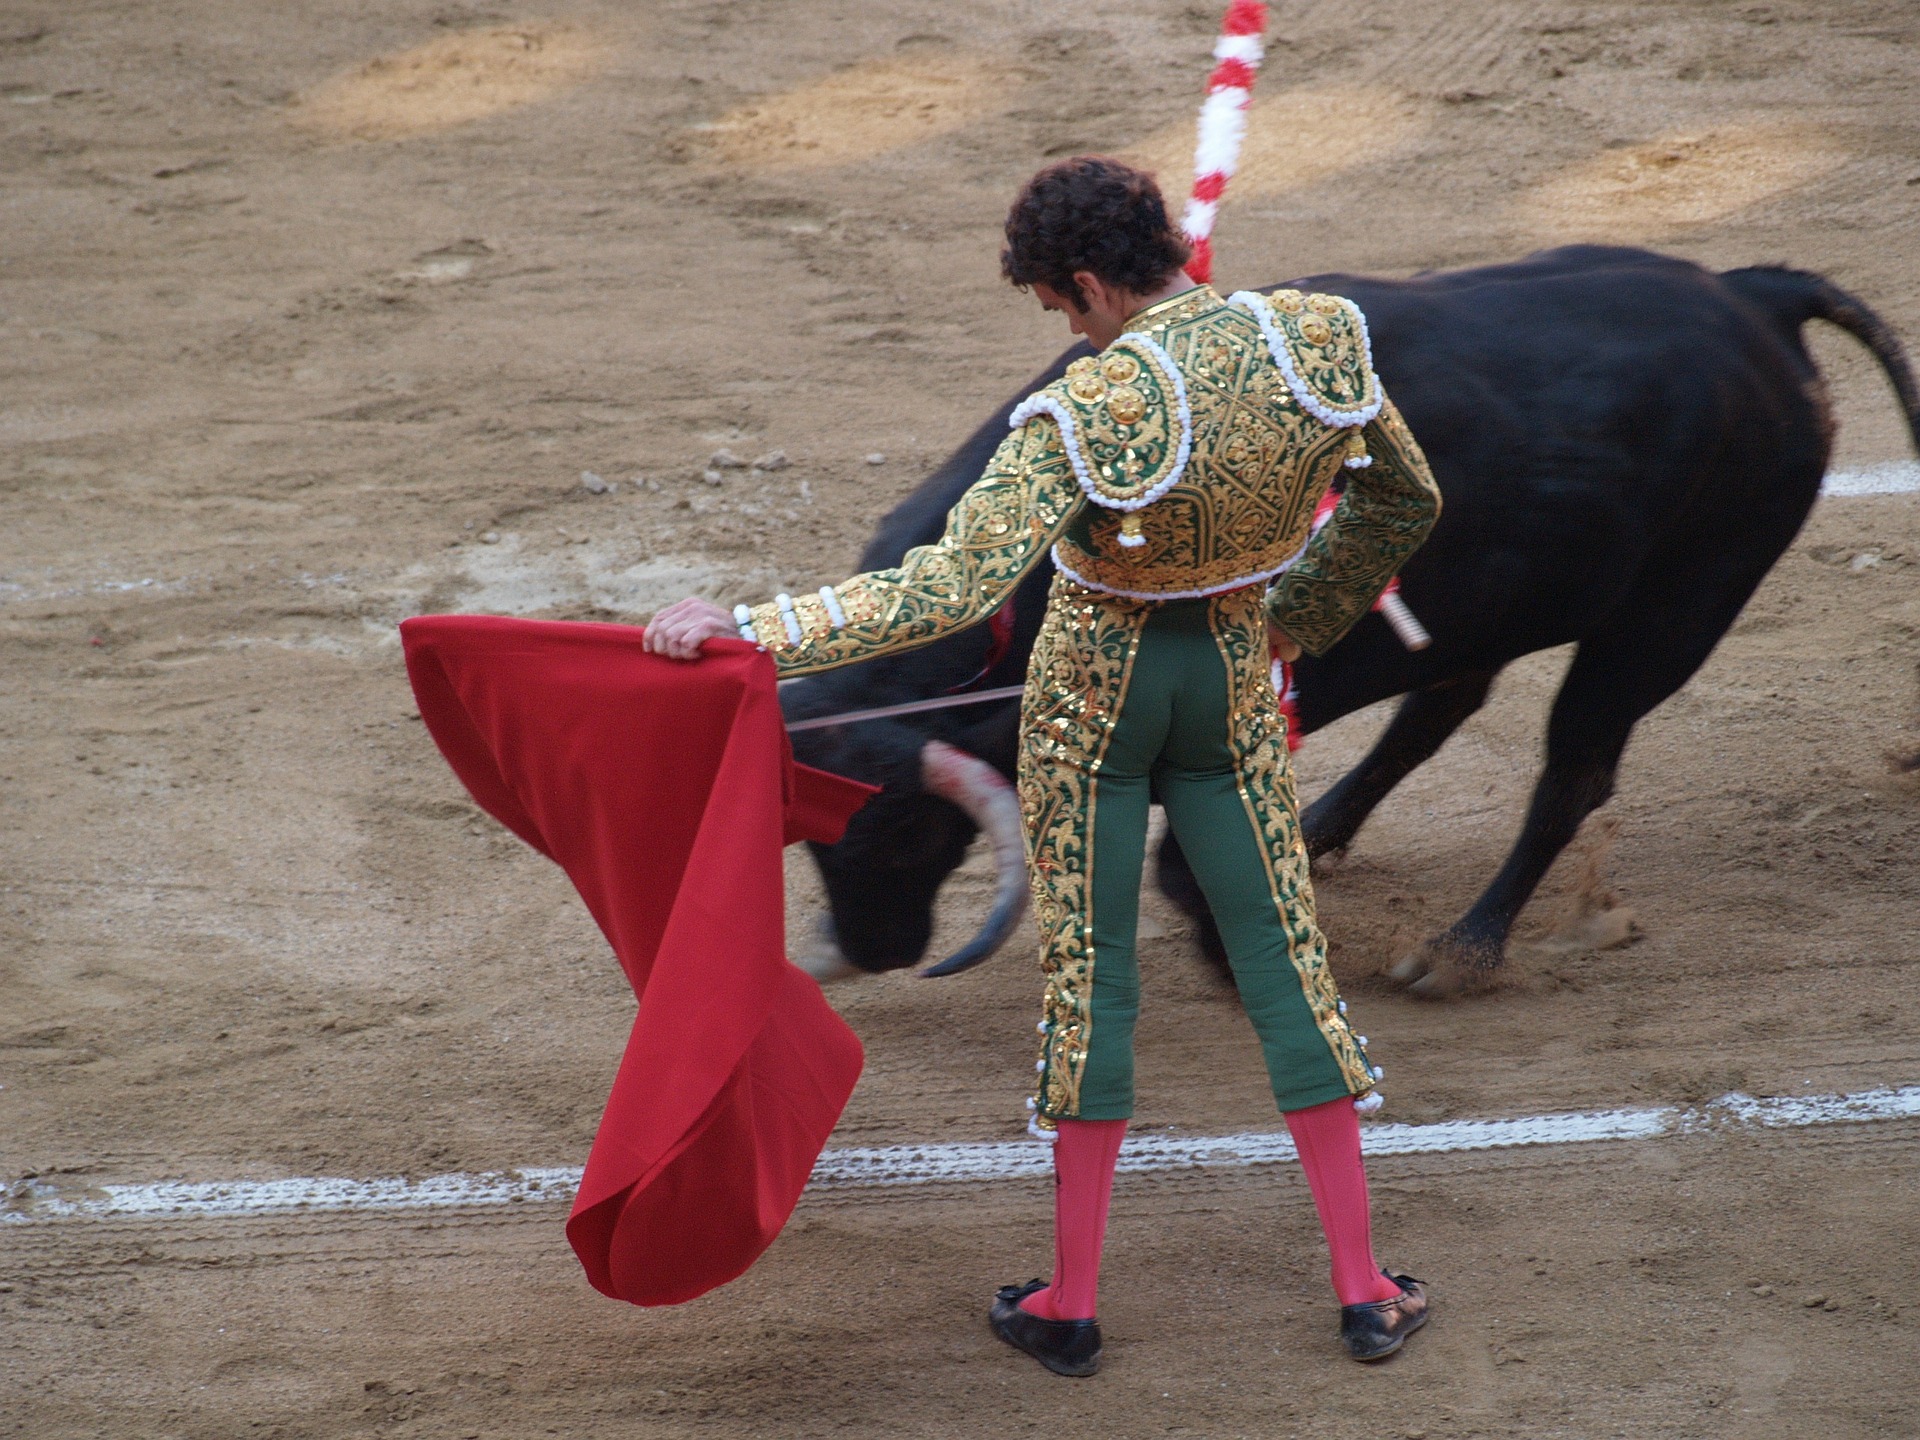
(1455, 982)
(1446, 969)
(1327, 862)
(827, 966)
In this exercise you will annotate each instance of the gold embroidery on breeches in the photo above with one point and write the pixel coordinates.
(1076, 687)
(1258, 742)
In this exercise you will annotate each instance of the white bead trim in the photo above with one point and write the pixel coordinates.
(1358, 462)
(792, 621)
(1258, 306)
(1367, 1104)
(834, 612)
(1253, 579)
(743, 617)
(1042, 403)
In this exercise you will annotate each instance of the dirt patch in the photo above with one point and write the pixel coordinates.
(1294, 140)
(453, 80)
(868, 109)
(1648, 191)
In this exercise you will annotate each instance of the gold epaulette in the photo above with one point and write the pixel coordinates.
(1124, 423)
(1320, 344)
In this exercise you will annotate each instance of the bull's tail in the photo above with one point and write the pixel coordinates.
(1793, 297)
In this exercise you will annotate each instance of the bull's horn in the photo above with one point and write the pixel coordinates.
(988, 800)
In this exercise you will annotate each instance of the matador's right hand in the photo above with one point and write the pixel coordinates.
(683, 627)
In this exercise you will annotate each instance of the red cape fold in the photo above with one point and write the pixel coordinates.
(666, 792)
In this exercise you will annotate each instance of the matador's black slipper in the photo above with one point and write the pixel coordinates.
(1375, 1331)
(1066, 1347)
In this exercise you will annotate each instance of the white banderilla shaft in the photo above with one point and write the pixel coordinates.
(1405, 624)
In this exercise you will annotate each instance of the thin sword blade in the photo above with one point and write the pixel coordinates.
(910, 707)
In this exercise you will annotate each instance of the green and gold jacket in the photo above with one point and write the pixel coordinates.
(1185, 460)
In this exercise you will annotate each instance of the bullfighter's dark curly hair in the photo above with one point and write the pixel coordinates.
(1091, 213)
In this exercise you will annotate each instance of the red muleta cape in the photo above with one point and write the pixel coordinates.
(666, 791)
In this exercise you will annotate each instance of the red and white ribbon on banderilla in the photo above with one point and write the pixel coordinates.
(1223, 125)
(1216, 155)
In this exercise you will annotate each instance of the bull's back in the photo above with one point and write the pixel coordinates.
(1583, 410)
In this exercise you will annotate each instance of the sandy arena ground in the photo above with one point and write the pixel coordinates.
(311, 318)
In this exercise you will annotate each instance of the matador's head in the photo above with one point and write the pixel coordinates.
(1090, 238)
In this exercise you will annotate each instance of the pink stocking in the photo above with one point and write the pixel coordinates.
(1328, 1139)
(1084, 1154)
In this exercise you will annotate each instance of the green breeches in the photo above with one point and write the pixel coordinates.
(1128, 700)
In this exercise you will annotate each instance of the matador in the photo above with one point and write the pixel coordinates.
(1173, 477)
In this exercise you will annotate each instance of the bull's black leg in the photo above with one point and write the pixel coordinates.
(1423, 723)
(1420, 727)
(1466, 954)
(1660, 636)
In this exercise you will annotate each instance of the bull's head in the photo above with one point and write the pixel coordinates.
(883, 877)
(942, 777)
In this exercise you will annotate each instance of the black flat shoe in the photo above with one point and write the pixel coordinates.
(1066, 1347)
(1375, 1331)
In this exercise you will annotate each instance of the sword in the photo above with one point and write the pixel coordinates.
(910, 707)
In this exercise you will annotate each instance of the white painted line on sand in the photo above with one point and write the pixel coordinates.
(1895, 477)
(37, 1201)
(1788, 1111)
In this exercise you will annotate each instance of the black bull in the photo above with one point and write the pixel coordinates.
(1625, 444)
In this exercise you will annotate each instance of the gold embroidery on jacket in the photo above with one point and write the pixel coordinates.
(1127, 429)
(1325, 336)
(1259, 465)
(1386, 512)
(1241, 510)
